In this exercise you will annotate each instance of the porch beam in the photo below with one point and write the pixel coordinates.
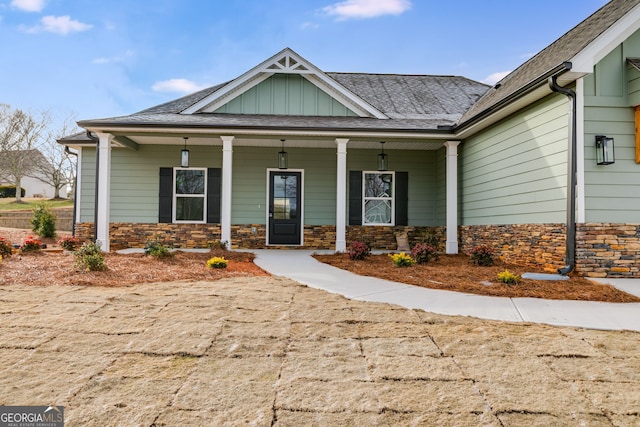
(225, 208)
(126, 142)
(104, 188)
(341, 195)
(452, 196)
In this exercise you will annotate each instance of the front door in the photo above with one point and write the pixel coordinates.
(285, 207)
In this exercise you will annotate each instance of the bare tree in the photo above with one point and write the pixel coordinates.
(56, 167)
(20, 134)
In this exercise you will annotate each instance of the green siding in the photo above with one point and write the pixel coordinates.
(515, 172)
(286, 94)
(612, 192)
(423, 186)
(135, 179)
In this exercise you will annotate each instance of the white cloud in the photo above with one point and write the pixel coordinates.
(495, 77)
(28, 5)
(362, 9)
(59, 25)
(177, 85)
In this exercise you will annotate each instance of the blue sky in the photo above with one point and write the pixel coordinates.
(93, 59)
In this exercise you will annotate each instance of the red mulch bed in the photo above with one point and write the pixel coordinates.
(456, 273)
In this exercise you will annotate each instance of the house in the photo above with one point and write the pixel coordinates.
(32, 163)
(289, 155)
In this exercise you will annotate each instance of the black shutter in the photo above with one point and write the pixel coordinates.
(355, 197)
(213, 195)
(165, 207)
(402, 198)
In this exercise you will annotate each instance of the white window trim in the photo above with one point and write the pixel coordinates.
(204, 196)
(393, 198)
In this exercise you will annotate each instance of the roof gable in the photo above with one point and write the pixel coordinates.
(285, 62)
(286, 94)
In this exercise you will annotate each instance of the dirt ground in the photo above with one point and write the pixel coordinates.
(267, 351)
(456, 273)
(244, 348)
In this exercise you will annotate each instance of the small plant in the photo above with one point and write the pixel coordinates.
(402, 259)
(5, 247)
(89, 257)
(423, 253)
(43, 221)
(217, 262)
(508, 277)
(69, 243)
(156, 249)
(220, 244)
(430, 237)
(31, 244)
(481, 255)
(359, 251)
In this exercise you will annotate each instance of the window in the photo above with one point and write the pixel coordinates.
(378, 198)
(189, 195)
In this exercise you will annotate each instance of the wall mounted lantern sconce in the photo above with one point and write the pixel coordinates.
(283, 157)
(383, 159)
(184, 157)
(604, 150)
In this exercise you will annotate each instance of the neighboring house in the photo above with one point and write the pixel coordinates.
(32, 186)
(287, 154)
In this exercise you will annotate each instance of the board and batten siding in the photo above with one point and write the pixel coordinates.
(516, 171)
(612, 192)
(286, 94)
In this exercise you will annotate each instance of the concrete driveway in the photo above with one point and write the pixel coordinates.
(269, 351)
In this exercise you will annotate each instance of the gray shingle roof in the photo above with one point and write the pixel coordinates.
(413, 102)
(563, 49)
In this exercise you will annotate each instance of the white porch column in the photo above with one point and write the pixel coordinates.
(341, 196)
(452, 196)
(104, 190)
(225, 208)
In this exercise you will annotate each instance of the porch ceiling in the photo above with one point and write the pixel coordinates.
(297, 142)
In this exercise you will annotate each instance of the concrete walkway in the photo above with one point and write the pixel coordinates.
(300, 266)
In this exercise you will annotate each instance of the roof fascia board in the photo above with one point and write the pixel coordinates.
(331, 133)
(273, 65)
(613, 36)
(523, 92)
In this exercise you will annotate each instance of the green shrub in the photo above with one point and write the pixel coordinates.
(156, 249)
(481, 255)
(359, 251)
(89, 257)
(508, 277)
(43, 221)
(423, 253)
(5, 248)
(402, 259)
(217, 262)
(31, 244)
